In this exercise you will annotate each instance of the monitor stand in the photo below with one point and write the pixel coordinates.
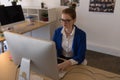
(24, 73)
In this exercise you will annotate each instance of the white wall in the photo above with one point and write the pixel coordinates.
(102, 28)
(52, 3)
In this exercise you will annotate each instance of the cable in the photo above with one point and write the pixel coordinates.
(18, 66)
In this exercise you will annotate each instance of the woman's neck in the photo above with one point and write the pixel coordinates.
(68, 31)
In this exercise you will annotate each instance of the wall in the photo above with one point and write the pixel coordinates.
(52, 3)
(102, 28)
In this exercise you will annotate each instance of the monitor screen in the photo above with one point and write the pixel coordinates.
(42, 53)
(14, 13)
(3, 15)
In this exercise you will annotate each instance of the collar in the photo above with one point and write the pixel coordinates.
(72, 33)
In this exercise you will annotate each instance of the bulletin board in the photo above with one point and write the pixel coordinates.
(102, 6)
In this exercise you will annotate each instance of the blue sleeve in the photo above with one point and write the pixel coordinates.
(57, 38)
(79, 48)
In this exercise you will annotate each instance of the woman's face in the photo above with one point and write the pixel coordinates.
(67, 21)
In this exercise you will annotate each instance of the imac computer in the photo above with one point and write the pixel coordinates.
(10, 15)
(3, 16)
(14, 13)
(33, 54)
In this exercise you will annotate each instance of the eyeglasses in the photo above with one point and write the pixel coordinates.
(65, 20)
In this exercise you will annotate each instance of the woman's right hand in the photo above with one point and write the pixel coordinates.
(64, 65)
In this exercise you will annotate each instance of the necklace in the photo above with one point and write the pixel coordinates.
(68, 31)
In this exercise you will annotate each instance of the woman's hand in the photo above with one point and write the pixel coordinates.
(64, 65)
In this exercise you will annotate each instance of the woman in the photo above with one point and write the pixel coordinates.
(70, 40)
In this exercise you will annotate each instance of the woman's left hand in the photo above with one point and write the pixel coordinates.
(64, 65)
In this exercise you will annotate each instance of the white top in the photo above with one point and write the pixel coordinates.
(67, 45)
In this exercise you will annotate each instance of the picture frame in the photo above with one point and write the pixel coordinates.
(68, 2)
(102, 6)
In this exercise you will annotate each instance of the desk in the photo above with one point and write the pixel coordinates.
(42, 30)
(7, 67)
(26, 26)
(37, 30)
(79, 72)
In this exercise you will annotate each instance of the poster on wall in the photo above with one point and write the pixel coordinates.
(69, 2)
(102, 6)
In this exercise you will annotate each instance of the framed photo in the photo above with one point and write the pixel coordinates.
(68, 2)
(102, 6)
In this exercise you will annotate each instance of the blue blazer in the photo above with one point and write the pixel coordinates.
(78, 46)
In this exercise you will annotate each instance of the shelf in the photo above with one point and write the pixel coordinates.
(38, 12)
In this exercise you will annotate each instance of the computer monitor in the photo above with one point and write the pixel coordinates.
(14, 13)
(42, 53)
(3, 16)
(10, 16)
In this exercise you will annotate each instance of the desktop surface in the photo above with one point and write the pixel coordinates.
(23, 26)
(79, 72)
(7, 67)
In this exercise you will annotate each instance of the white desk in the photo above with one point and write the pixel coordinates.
(79, 72)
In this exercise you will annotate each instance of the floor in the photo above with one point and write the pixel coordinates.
(103, 61)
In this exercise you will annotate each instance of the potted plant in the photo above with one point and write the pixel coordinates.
(44, 16)
(14, 2)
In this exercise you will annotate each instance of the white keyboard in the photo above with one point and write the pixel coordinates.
(62, 74)
(36, 77)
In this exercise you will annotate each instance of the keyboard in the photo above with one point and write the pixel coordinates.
(59, 60)
(36, 77)
(62, 74)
